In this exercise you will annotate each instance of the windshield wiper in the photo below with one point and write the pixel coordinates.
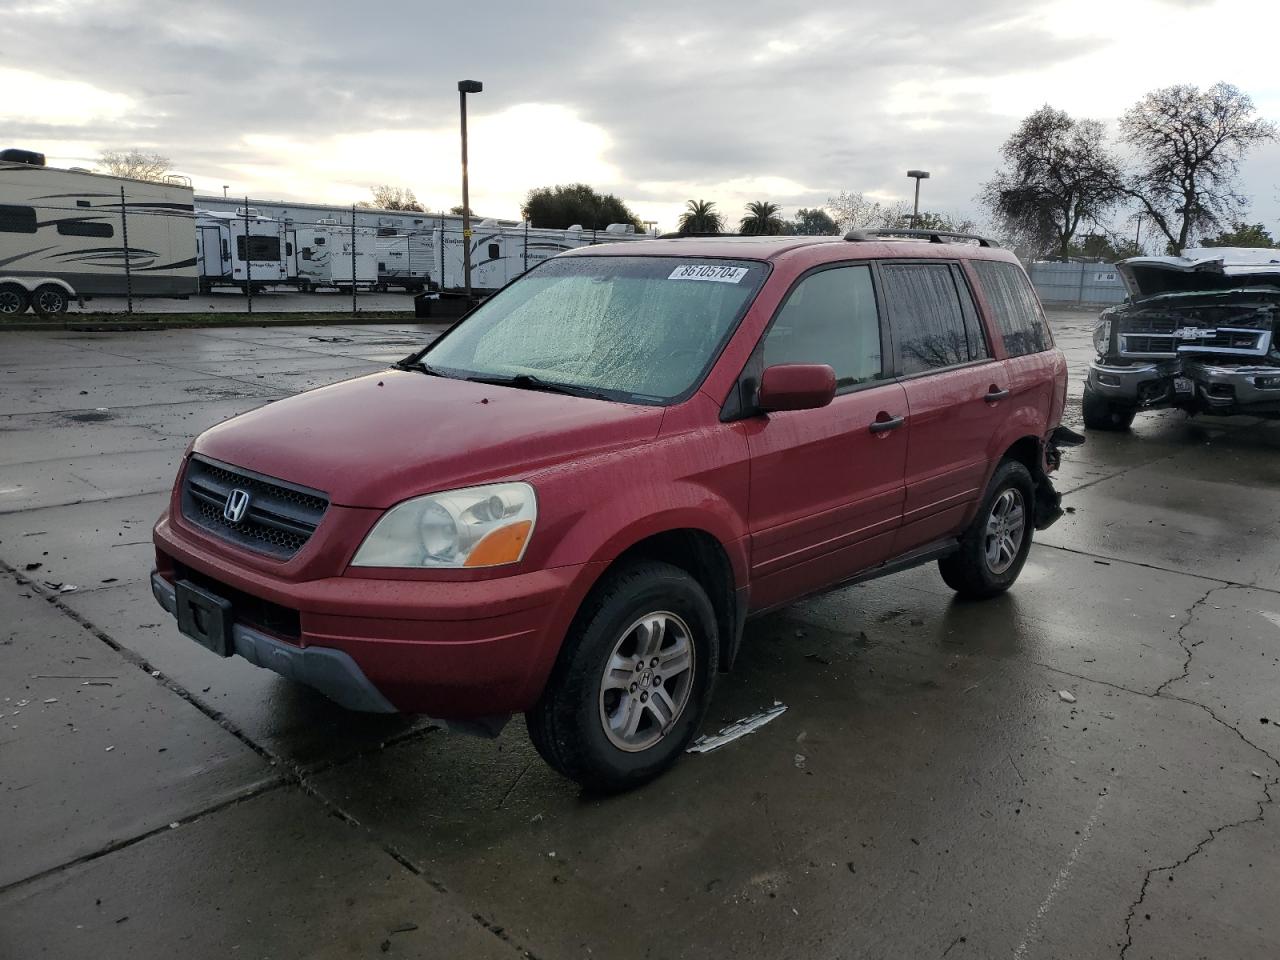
(527, 381)
(418, 365)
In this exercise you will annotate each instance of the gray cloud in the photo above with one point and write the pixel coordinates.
(688, 93)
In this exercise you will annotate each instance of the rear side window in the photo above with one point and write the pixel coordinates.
(830, 317)
(928, 317)
(17, 219)
(1016, 310)
(82, 228)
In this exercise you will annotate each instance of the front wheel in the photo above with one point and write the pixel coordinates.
(632, 681)
(994, 548)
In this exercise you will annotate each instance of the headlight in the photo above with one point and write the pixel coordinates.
(477, 527)
(1102, 335)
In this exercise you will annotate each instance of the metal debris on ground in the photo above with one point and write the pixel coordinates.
(1067, 696)
(739, 728)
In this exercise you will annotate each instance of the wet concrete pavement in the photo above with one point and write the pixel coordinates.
(928, 792)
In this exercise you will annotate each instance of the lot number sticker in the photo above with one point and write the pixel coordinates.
(703, 271)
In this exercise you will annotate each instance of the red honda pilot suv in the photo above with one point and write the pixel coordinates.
(570, 503)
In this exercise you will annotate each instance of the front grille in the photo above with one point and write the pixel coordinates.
(279, 520)
(1149, 325)
(1255, 342)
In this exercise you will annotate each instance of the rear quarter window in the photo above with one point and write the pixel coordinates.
(1020, 321)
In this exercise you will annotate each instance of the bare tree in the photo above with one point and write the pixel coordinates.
(387, 197)
(135, 164)
(850, 209)
(1058, 176)
(1189, 143)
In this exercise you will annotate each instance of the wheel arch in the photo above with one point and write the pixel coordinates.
(704, 557)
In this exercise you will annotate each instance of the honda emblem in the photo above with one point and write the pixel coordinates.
(237, 505)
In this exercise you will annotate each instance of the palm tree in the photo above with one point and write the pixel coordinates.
(762, 219)
(700, 217)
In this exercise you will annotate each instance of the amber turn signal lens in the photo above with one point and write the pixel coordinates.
(501, 546)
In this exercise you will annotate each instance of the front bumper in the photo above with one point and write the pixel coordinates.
(330, 671)
(454, 650)
(1214, 388)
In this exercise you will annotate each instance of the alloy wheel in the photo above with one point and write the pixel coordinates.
(647, 681)
(50, 302)
(1006, 526)
(10, 303)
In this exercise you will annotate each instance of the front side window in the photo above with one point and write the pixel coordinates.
(1015, 307)
(927, 318)
(830, 317)
(17, 219)
(83, 228)
(639, 329)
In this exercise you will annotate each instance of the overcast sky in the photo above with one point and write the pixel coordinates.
(657, 102)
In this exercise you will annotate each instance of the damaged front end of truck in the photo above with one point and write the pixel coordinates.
(1200, 333)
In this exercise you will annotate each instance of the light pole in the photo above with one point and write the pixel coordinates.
(917, 176)
(224, 191)
(465, 87)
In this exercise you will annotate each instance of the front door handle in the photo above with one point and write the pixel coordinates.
(994, 393)
(884, 423)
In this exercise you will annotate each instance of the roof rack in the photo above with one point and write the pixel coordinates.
(933, 236)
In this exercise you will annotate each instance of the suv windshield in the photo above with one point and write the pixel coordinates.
(624, 328)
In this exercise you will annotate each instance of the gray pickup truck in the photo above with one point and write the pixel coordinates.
(1199, 332)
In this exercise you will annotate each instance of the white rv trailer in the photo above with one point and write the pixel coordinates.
(225, 258)
(416, 249)
(406, 259)
(323, 255)
(62, 237)
(403, 245)
(501, 252)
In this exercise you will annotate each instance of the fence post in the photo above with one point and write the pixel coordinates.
(526, 247)
(1080, 291)
(128, 269)
(248, 257)
(354, 308)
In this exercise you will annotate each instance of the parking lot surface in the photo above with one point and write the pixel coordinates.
(1084, 767)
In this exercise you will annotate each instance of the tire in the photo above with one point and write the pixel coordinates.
(580, 724)
(1103, 414)
(50, 300)
(14, 300)
(982, 568)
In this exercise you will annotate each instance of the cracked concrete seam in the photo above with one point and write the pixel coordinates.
(1267, 784)
(1189, 650)
(288, 772)
(1213, 834)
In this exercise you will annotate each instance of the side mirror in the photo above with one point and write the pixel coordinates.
(796, 386)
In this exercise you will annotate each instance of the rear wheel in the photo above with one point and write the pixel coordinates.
(1103, 414)
(632, 682)
(13, 300)
(50, 300)
(994, 548)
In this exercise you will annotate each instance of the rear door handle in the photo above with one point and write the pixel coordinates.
(888, 423)
(994, 394)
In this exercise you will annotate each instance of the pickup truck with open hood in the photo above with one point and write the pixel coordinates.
(1200, 332)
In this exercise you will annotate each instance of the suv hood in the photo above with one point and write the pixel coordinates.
(380, 439)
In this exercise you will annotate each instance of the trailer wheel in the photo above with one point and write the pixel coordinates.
(50, 300)
(13, 300)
